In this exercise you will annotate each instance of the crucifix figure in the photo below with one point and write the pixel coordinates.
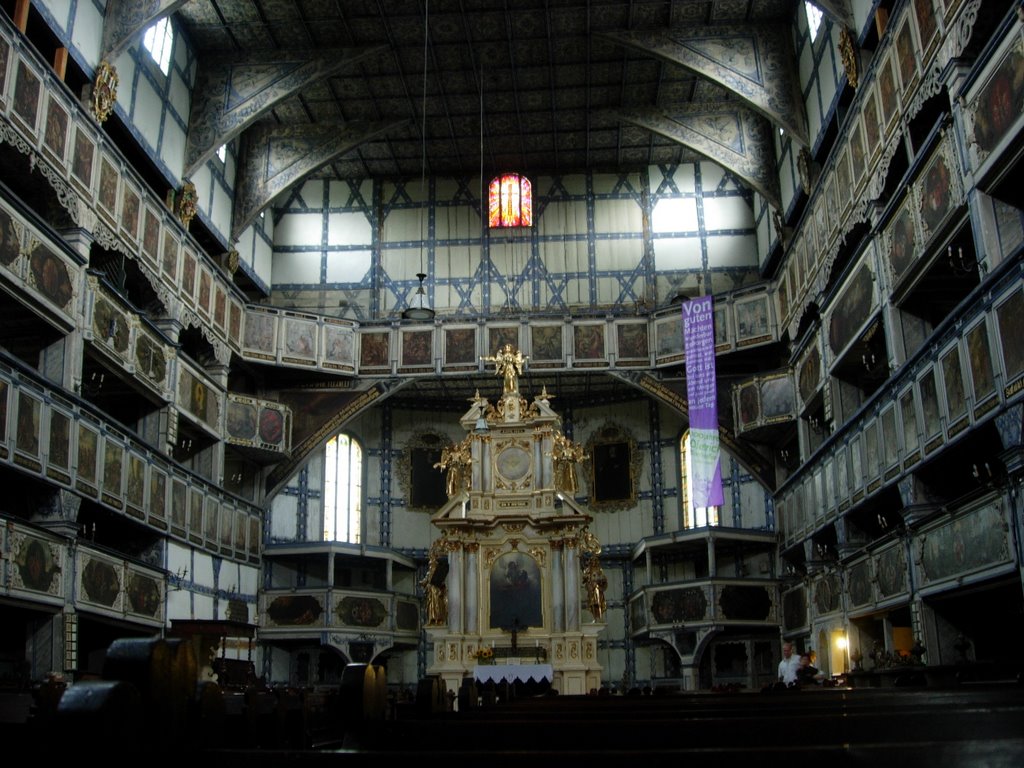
(514, 631)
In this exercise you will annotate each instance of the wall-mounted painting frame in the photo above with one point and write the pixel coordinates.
(613, 469)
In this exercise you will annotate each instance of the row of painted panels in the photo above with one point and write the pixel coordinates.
(977, 368)
(54, 278)
(703, 602)
(970, 546)
(906, 72)
(35, 566)
(101, 190)
(66, 137)
(365, 612)
(47, 435)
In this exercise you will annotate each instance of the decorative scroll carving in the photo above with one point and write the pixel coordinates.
(221, 351)
(848, 53)
(104, 91)
(186, 203)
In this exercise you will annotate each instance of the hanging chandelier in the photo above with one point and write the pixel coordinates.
(419, 305)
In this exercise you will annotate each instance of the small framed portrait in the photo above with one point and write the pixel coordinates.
(55, 137)
(179, 507)
(86, 456)
(5, 53)
(901, 240)
(205, 291)
(157, 494)
(723, 327)
(1010, 322)
(27, 87)
(979, 357)
(83, 159)
(27, 436)
(930, 404)
(188, 276)
(938, 193)
(150, 234)
(890, 442)
(211, 519)
(169, 257)
(235, 322)
(909, 423)
(668, 338)
(906, 57)
(843, 183)
(59, 454)
(924, 15)
(872, 125)
(953, 384)
(113, 470)
(220, 304)
(107, 198)
(130, 203)
(887, 92)
(857, 161)
(195, 515)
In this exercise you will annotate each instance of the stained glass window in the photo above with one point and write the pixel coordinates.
(511, 201)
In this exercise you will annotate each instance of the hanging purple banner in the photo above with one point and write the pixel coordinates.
(702, 393)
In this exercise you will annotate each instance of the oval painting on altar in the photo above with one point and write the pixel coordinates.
(515, 593)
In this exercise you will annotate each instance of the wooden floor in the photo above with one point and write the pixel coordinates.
(965, 727)
(976, 725)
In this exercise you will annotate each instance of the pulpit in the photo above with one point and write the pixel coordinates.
(519, 551)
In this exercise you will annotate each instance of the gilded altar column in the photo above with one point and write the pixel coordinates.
(472, 550)
(572, 588)
(456, 578)
(557, 586)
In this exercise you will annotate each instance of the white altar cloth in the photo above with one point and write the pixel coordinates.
(509, 673)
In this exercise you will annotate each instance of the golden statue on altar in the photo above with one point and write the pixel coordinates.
(457, 460)
(566, 454)
(508, 363)
(513, 552)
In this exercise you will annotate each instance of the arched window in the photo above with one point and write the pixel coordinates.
(510, 202)
(699, 517)
(343, 490)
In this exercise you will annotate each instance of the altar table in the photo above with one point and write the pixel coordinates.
(513, 673)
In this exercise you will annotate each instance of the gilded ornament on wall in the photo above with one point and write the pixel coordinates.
(848, 52)
(186, 203)
(104, 91)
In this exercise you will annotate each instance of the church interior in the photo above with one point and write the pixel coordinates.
(364, 362)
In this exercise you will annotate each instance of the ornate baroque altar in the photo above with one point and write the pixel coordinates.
(520, 556)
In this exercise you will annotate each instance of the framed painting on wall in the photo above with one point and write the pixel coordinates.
(632, 342)
(499, 336)
(546, 345)
(887, 92)
(55, 137)
(460, 348)
(82, 160)
(906, 59)
(374, 350)
(417, 349)
(589, 342)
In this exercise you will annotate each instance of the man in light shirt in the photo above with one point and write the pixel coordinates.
(789, 665)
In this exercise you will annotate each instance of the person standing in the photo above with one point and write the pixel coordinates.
(788, 666)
